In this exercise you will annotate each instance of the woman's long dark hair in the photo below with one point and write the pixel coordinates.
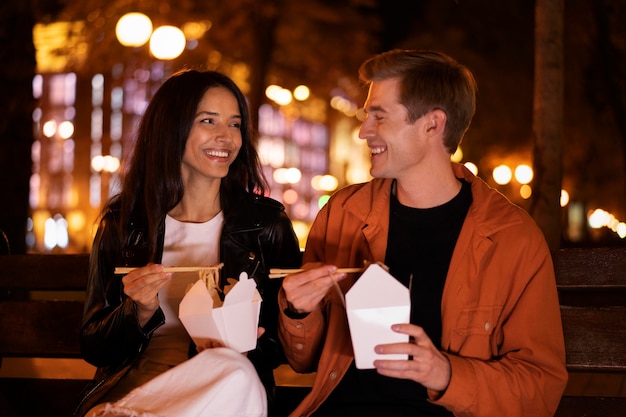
(151, 184)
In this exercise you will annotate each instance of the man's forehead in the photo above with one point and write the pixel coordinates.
(382, 95)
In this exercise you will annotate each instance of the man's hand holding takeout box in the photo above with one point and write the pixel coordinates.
(381, 306)
(374, 303)
(235, 323)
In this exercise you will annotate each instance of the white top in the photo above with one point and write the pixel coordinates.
(185, 244)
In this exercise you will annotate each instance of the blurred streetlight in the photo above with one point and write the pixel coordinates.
(135, 30)
(106, 166)
(167, 42)
(301, 92)
(502, 174)
(523, 174)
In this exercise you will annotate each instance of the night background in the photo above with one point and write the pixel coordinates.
(321, 43)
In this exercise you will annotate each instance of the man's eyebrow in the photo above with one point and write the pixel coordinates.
(375, 108)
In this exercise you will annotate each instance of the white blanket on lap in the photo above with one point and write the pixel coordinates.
(217, 382)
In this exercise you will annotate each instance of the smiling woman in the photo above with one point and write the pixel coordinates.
(191, 196)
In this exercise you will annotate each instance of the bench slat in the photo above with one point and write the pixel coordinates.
(40, 328)
(65, 272)
(591, 407)
(595, 338)
(590, 267)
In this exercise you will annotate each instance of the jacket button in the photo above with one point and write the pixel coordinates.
(299, 346)
(487, 326)
(332, 375)
(252, 256)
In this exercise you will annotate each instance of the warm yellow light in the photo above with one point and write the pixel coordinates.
(457, 156)
(284, 97)
(524, 174)
(76, 220)
(525, 191)
(111, 163)
(302, 230)
(598, 218)
(50, 128)
(324, 182)
(472, 167)
(106, 163)
(167, 42)
(97, 163)
(502, 174)
(344, 105)
(301, 92)
(328, 183)
(271, 91)
(280, 175)
(293, 175)
(278, 94)
(58, 45)
(133, 29)
(564, 201)
(66, 129)
(195, 30)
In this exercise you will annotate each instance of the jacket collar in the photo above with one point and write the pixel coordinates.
(490, 211)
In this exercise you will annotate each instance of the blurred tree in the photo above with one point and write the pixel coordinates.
(322, 42)
(548, 119)
(17, 55)
(319, 43)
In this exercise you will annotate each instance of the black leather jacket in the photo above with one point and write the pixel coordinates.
(257, 235)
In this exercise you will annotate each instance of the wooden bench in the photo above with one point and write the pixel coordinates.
(41, 301)
(592, 294)
(41, 308)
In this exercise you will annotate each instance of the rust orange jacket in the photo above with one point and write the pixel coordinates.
(500, 312)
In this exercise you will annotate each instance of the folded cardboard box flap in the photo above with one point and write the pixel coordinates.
(234, 324)
(375, 302)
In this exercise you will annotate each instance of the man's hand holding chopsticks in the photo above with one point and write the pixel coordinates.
(304, 290)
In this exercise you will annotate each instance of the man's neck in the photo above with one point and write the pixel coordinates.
(429, 190)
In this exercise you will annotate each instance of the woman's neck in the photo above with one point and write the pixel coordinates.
(197, 206)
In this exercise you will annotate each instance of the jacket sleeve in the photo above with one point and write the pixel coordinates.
(280, 249)
(303, 337)
(110, 334)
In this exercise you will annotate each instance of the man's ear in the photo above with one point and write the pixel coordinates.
(436, 121)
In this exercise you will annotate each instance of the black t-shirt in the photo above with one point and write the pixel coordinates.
(420, 244)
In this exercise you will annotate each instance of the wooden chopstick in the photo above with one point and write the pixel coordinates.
(279, 273)
(274, 272)
(126, 270)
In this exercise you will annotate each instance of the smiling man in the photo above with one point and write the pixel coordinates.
(485, 334)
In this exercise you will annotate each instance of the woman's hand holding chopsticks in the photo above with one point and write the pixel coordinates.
(142, 286)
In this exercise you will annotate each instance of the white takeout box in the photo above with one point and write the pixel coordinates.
(235, 323)
(375, 302)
